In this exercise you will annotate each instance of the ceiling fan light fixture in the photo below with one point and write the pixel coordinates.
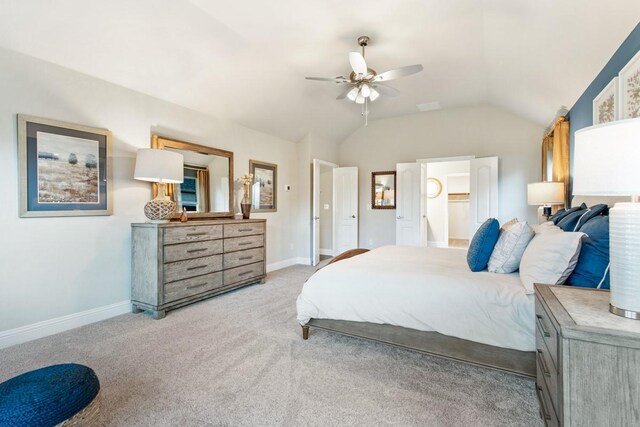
(360, 99)
(353, 93)
(374, 94)
(365, 90)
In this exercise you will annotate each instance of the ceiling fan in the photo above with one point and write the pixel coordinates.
(364, 84)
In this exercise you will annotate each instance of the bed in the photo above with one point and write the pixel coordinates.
(481, 318)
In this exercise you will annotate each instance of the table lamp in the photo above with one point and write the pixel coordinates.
(545, 194)
(163, 167)
(606, 163)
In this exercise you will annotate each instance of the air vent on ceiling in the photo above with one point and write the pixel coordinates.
(429, 106)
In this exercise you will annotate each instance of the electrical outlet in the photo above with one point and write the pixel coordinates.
(370, 242)
(326, 206)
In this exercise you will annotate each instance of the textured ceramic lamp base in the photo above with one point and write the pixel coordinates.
(160, 210)
(624, 235)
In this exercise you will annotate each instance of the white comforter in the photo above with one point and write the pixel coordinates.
(429, 289)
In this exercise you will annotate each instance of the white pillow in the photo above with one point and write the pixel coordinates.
(507, 253)
(546, 226)
(550, 258)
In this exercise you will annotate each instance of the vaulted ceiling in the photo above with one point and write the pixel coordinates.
(246, 61)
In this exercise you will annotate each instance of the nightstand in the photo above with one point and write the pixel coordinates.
(588, 360)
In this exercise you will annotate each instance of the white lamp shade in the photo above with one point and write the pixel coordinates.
(606, 159)
(545, 193)
(159, 166)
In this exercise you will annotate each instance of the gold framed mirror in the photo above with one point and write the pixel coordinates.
(207, 190)
(383, 190)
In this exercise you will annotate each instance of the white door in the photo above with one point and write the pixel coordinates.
(408, 211)
(317, 164)
(345, 209)
(483, 197)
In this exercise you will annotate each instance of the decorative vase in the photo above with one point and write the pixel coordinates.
(246, 210)
(184, 217)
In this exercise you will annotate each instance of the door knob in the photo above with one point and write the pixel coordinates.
(399, 217)
(353, 216)
(316, 217)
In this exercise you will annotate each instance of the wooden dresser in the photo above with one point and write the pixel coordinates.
(176, 264)
(588, 360)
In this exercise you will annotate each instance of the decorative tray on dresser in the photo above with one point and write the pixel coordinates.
(588, 360)
(176, 264)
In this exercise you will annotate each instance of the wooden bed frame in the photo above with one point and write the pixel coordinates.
(513, 361)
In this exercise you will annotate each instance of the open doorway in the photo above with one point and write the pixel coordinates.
(447, 188)
(322, 207)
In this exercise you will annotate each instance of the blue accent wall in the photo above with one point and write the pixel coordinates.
(581, 114)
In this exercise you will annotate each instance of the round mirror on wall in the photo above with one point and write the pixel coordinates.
(434, 187)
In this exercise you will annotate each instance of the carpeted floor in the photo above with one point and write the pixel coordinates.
(239, 359)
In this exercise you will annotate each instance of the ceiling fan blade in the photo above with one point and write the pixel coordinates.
(337, 80)
(345, 92)
(358, 63)
(386, 90)
(398, 72)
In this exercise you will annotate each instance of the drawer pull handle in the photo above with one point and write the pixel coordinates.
(543, 408)
(195, 234)
(543, 364)
(245, 229)
(197, 267)
(196, 286)
(190, 251)
(243, 258)
(244, 273)
(541, 326)
(244, 243)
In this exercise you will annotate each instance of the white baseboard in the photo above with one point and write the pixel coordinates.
(436, 244)
(326, 252)
(303, 261)
(61, 324)
(281, 264)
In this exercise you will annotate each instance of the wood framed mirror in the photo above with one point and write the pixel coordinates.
(207, 190)
(383, 190)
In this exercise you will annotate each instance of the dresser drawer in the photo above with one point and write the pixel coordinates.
(194, 233)
(235, 259)
(546, 410)
(547, 371)
(240, 274)
(240, 243)
(181, 251)
(547, 332)
(192, 267)
(248, 229)
(189, 287)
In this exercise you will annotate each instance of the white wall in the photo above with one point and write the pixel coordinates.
(437, 216)
(51, 267)
(480, 131)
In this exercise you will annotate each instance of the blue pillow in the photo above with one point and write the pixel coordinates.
(593, 262)
(558, 216)
(482, 245)
(592, 212)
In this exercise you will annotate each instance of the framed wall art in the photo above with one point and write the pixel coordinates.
(65, 169)
(630, 88)
(606, 106)
(265, 186)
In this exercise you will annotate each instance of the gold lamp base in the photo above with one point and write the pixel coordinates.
(160, 210)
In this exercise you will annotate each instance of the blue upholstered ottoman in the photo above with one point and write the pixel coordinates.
(65, 395)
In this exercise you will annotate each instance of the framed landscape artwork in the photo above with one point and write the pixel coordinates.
(630, 88)
(265, 186)
(606, 106)
(64, 168)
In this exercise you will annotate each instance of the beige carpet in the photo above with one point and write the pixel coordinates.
(239, 359)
